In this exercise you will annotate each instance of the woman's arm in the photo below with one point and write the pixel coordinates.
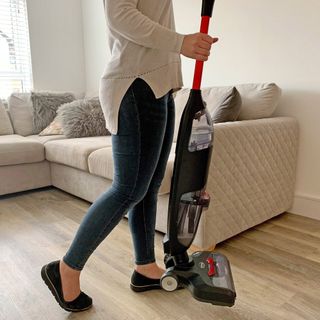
(124, 17)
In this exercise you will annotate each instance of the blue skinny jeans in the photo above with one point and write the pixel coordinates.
(141, 149)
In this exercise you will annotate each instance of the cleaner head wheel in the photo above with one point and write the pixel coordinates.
(169, 282)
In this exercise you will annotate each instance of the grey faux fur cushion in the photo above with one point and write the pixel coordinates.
(45, 105)
(82, 118)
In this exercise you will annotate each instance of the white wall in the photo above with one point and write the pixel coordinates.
(56, 40)
(95, 39)
(260, 41)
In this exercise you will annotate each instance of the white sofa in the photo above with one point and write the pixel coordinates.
(251, 178)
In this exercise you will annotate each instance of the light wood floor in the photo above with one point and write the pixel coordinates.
(276, 267)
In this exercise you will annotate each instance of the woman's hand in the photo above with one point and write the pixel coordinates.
(197, 46)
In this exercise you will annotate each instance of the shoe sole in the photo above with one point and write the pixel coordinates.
(54, 292)
(144, 288)
(149, 287)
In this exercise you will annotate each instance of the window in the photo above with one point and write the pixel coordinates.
(15, 59)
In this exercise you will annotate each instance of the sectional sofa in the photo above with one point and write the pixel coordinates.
(251, 178)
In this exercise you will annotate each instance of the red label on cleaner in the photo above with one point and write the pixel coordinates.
(211, 271)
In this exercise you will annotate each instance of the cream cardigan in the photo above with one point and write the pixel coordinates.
(143, 44)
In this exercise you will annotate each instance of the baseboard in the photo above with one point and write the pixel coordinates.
(305, 205)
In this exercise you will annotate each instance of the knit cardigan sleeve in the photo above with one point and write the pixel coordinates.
(124, 17)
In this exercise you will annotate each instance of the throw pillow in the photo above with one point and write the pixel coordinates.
(45, 105)
(20, 108)
(259, 100)
(229, 106)
(223, 104)
(5, 123)
(53, 128)
(82, 118)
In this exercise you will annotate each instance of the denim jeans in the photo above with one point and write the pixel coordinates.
(141, 149)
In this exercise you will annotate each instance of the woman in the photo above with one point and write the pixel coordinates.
(136, 97)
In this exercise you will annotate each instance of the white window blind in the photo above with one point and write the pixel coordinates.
(15, 58)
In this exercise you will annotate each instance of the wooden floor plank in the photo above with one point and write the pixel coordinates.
(298, 223)
(301, 237)
(276, 267)
(273, 266)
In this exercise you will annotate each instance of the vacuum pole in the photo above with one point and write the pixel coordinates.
(206, 14)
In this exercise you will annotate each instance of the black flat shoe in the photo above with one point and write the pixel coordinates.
(140, 283)
(51, 276)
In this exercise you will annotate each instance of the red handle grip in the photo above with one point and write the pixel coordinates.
(204, 28)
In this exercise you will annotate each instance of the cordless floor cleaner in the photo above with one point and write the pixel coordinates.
(206, 274)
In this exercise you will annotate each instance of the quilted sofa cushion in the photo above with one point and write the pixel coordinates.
(252, 174)
(75, 152)
(15, 149)
(101, 164)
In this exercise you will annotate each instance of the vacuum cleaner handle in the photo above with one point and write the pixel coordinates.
(206, 13)
(207, 7)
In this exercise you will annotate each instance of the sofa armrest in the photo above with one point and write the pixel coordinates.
(251, 177)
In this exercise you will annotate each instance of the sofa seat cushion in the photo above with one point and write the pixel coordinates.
(44, 139)
(15, 149)
(101, 164)
(75, 152)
